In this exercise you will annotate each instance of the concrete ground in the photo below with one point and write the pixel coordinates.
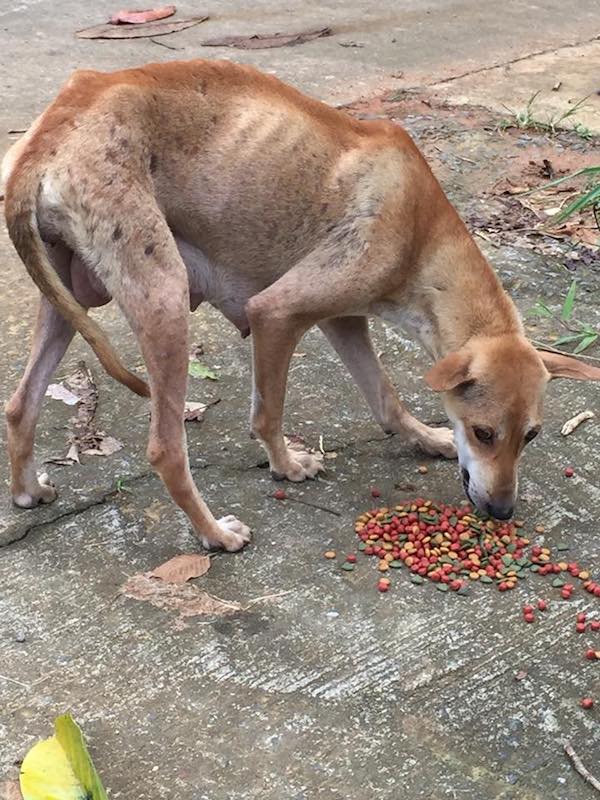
(328, 690)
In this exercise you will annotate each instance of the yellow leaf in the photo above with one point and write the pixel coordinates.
(60, 768)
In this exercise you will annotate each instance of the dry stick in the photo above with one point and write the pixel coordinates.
(579, 767)
(168, 46)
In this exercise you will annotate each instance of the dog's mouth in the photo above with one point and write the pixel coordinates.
(465, 480)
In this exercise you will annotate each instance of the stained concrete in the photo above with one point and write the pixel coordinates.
(324, 689)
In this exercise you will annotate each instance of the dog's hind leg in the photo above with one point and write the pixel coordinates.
(349, 336)
(51, 338)
(153, 293)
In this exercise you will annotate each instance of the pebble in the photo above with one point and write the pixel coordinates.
(20, 637)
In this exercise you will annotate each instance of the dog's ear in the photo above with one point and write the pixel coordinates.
(449, 372)
(560, 366)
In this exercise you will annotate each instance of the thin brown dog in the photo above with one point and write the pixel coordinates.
(181, 182)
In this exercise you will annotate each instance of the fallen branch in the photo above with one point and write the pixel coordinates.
(580, 768)
(573, 423)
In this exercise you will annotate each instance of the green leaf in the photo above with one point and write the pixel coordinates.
(198, 370)
(567, 310)
(585, 343)
(71, 740)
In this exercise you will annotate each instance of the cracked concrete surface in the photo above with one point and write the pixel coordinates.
(331, 691)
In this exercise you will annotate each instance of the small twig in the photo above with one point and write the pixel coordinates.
(573, 423)
(265, 598)
(550, 349)
(315, 505)
(17, 130)
(579, 767)
(164, 44)
(486, 238)
(13, 680)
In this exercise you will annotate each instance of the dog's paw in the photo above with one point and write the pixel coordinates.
(302, 465)
(44, 492)
(439, 442)
(232, 535)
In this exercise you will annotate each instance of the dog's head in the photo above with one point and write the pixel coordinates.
(493, 393)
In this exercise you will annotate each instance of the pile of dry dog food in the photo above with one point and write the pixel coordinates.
(452, 546)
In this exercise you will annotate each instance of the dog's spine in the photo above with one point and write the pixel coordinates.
(22, 224)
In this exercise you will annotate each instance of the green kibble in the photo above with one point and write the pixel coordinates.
(562, 547)
(441, 587)
(348, 567)
(534, 568)
(486, 579)
(362, 545)
(396, 564)
(507, 560)
(464, 591)
(558, 582)
(416, 579)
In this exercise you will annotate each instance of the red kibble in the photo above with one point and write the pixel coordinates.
(590, 655)
(529, 618)
(528, 609)
(351, 558)
(456, 585)
(375, 492)
(569, 472)
(582, 616)
(587, 703)
(580, 627)
(542, 605)
(383, 586)
(279, 494)
(595, 625)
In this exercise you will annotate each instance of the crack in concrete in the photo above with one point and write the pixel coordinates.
(516, 60)
(114, 492)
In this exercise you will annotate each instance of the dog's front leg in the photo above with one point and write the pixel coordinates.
(274, 337)
(350, 338)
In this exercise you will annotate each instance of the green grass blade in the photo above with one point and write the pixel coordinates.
(583, 201)
(567, 309)
(575, 337)
(585, 343)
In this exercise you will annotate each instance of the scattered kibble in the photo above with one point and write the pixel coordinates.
(569, 472)
(595, 625)
(279, 494)
(422, 469)
(375, 492)
(587, 703)
(347, 566)
(329, 554)
(351, 558)
(590, 655)
(542, 605)
(582, 616)
(580, 627)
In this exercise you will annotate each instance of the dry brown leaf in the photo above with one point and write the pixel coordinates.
(184, 598)
(58, 391)
(506, 186)
(10, 790)
(137, 16)
(259, 40)
(182, 568)
(104, 446)
(145, 29)
(194, 412)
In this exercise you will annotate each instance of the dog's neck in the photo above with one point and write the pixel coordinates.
(455, 296)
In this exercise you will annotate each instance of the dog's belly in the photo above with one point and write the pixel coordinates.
(226, 290)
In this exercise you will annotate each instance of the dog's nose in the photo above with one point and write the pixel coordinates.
(500, 511)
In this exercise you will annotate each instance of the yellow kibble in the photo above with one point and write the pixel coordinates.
(384, 566)
(329, 554)
(563, 566)
(584, 576)
(474, 576)
(388, 557)
(544, 557)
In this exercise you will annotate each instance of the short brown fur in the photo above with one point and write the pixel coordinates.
(175, 183)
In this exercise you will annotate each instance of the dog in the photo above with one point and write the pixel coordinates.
(183, 182)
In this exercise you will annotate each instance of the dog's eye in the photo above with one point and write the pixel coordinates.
(530, 435)
(485, 435)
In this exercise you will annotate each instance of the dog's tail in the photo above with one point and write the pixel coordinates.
(22, 223)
